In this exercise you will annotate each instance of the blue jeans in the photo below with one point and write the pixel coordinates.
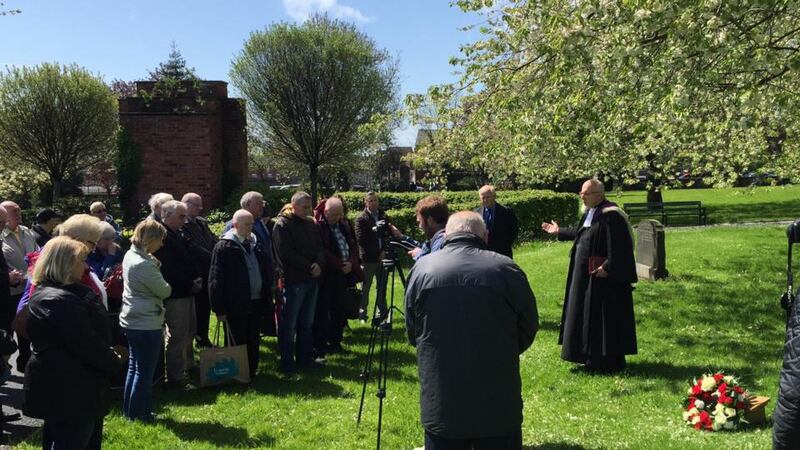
(144, 349)
(297, 317)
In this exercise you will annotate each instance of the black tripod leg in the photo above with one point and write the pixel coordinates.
(383, 366)
(367, 368)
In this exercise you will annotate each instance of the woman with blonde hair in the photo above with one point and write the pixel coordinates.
(142, 317)
(68, 378)
(84, 229)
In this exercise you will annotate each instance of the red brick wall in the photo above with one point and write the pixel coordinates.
(183, 152)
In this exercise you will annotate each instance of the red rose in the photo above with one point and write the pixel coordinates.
(698, 425)
(739, 405)
(727, 401)
(718, 377)
(738, 390)
(697, 390)
(703, 416)
(723, 387)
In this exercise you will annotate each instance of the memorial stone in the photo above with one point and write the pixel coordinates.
(650, 251)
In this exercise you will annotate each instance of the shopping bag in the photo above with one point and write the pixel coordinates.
(223, 365)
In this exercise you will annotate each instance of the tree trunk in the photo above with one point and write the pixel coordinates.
(57, 186)
(313, 175)
(654, 195)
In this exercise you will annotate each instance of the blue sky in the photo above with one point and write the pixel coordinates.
(127, 39)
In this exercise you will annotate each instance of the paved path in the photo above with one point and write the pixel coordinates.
(11, 398)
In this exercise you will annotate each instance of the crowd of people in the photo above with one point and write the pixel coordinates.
(470, 310)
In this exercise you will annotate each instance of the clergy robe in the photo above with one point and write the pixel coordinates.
(597, 321)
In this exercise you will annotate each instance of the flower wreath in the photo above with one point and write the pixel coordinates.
(715, 402)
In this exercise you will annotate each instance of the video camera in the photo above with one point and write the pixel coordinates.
(793, 237)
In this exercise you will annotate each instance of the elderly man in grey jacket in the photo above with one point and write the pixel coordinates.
(470, 312)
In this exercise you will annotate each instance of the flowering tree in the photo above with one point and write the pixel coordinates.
(572, 88)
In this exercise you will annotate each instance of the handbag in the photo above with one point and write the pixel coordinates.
(224, 365)
(351, 302)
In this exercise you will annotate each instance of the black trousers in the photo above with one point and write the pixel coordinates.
(246, 330)
(512, 441)
(329, 320)
(10, 312)
(202, 308)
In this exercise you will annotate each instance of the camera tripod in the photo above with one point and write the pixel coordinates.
(381, 332)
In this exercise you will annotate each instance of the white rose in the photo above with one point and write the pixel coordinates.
(730, 412)
(720, 419)
(728, 379)
(708, 384)
(699, 404)
(716, 426)
(729, 425)
(695, 419)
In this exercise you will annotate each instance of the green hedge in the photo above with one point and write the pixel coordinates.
(531, 207)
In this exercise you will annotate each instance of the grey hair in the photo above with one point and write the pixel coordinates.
(300, 195)
(94, 206)
(247, 197)
(486, 188)
(466, 222)
(106, 230)
(599, 184)
(169, 208)
(157, 200)
(334, 202)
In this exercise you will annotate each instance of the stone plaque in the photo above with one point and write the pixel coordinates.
(650, 254)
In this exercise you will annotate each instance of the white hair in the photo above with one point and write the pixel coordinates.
(466, 222)
(169, 207)
(248, 197)
(95, 206)
(157, 200)
(334, 203)
(106, 230)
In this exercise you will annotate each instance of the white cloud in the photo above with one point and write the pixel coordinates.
(300, 10)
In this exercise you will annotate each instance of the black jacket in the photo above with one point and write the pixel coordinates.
(786, 418)
(42, 236)
(504, 229)
(229, 281)
(368, 246)
(69, 374)
(333, 258)
(178, 263)
(471, 313)
(202, 242)
(297, 245)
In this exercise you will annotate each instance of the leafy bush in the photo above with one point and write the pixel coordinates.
(531, 208)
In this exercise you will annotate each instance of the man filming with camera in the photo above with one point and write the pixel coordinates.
(370, 239)
(470, 312)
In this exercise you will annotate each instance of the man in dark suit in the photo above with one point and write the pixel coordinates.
(370, 247)
(500, 221)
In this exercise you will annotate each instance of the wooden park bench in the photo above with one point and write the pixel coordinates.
(665, 210)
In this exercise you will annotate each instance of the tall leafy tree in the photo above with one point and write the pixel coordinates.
(58, 119)
(318, 94)
(571, 88)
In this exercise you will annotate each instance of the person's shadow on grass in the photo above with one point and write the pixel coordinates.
(217, 434)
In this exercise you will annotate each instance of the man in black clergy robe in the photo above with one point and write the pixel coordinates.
(597, 324)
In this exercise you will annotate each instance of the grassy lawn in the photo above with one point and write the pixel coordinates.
(733, 205)
(718, 310)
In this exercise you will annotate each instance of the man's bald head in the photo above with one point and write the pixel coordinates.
(13, 214)
(592, 192)
(334, 210)
(243, 221)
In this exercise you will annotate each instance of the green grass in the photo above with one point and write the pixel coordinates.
(732, 205)
(718, 310)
